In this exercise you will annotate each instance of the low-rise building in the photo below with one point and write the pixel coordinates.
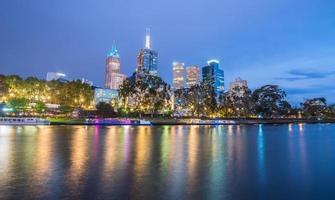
(105, 95)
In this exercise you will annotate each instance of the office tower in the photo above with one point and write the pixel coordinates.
(113, 76)
(192, 75)
(213, 76)
(178, 75)
(147, 58)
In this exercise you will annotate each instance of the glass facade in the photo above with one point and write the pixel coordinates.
(147, 61)
(147, 58)
(214, 76)
(104, 95)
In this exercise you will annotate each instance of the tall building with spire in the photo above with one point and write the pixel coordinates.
(147, 58)
(113, 76)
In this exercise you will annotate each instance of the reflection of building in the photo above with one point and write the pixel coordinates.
(104, 95)
(54, 76)
(214, 76)
(238, 83)
(113, 78)
(192, 75)
(178, 75)
(147, 58)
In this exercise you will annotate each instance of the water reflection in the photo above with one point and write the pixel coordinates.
(79, 155)
(261, 154)
(171, 162)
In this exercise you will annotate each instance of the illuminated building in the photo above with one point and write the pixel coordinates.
(147, 58)
(192, 75)
(238, 86)
(113, 77)
(104, 95)
(54, 76)
(213, 76)
(238, 83)
(178, 75)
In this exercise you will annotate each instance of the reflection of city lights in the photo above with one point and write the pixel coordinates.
(301, 127)
(238, 129)
(290, 129)
(260, 129)
(230, 129)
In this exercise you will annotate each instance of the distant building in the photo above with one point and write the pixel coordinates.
(178, 75)
(113, 76)
(104, 95)
(238, 86)
(214, 76)
(88, 82)
(147, 58)
(238, 83)
(54, 76)
(192, 75)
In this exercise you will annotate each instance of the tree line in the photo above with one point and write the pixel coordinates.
(23, 95)
(145, 94)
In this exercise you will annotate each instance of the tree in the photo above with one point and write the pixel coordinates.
(190, 99)
(270, 101)
(209, 99)
(237, 102)
(3, 87)
(40, 107)
(145, 93)
(18, 105)
(105, 110)
(331, 111)
(314, 108)
(65, 109)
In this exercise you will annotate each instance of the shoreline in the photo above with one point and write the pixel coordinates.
(189, 122)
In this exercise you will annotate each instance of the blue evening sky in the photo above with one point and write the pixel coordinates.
(285, 42)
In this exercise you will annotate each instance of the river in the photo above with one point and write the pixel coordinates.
(294, 161)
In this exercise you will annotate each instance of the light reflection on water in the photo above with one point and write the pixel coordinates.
(169, 162)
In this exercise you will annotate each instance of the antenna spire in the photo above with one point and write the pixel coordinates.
(147, 39)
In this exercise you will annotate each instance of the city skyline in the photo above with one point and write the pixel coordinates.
(243, 39)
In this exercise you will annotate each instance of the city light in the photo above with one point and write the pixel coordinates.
(213, 61)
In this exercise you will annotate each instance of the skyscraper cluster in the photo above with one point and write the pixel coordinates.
(212, 75)
(147, 61)
(179, 80)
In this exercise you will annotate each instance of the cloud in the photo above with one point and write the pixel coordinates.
(300, 74)
(314, 89)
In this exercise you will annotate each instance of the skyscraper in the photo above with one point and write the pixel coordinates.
(113, 77)
(213, 76)
(178, 75)
(147, 58)
(192, 75)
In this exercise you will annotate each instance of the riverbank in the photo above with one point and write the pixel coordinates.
(171, 121)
